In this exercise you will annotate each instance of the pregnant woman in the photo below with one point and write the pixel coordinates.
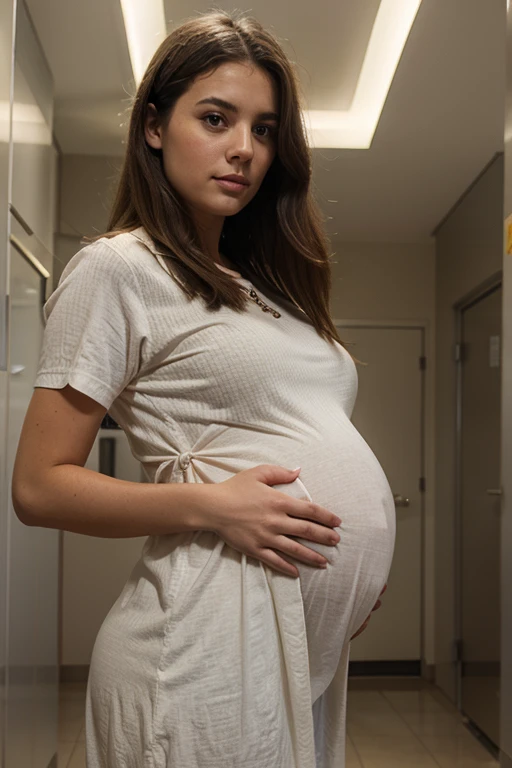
(200, 321)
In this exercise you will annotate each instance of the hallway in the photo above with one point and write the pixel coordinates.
(407, 158)
(391, 723)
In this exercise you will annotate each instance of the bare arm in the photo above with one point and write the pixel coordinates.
(51, 488)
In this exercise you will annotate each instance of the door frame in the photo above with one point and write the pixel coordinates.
(478, 293)
(427, 509)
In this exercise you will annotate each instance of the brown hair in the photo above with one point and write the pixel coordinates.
(278, 235)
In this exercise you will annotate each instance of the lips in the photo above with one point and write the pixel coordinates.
(235, 178)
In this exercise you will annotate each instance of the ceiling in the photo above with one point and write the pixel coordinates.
(442, 122)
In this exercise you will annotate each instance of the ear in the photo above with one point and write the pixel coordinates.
(152, 128)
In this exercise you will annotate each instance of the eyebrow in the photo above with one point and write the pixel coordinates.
(231, 107)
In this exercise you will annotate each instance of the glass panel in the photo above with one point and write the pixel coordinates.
(481, 514)
(6, 46)
(33, 183)
(32, 709)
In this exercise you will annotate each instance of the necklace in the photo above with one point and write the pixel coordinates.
(251, 293)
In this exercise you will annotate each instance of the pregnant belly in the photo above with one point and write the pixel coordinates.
(348, 481)
(202, 619)
(339, 472)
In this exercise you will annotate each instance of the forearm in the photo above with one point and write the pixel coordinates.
(73, 498)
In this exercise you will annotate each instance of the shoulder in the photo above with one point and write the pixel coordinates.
(109, 257)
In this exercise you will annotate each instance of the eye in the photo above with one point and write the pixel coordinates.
(270, 128)
(208, 117)
(213, 115)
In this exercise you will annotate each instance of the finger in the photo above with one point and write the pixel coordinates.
(310, 510)
(363, 626)
(377, 605)
(361, 629)
(278, 563)
(298, 551)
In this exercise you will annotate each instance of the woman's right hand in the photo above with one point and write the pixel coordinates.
(255, 519)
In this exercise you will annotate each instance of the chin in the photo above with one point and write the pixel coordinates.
(228, 209)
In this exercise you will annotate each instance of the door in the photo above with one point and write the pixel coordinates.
(389, 415)
(480, 513)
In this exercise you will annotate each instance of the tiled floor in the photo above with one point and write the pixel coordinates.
(71, 745)
(407, 723)
(391, 723)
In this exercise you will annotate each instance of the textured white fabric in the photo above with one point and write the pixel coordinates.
(209, 658)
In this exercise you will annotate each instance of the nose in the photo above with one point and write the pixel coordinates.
(242, 143)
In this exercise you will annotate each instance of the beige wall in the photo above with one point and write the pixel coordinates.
(87, 186)
(469, 250)
(384, 281)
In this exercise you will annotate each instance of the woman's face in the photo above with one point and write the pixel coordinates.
(203, 141)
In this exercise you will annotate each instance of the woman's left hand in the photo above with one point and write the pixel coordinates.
(377, 605)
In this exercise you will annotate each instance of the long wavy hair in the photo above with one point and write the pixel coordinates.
(278, 236)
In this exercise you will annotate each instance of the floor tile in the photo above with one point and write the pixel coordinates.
(391, 723)
(365, 700)
(440, 696)
(78, 757)
(71, 719)
(459, 751)
(370, 715)
(409, 723)
(429, 724)
(69, 730)
(381, 751)
(351, 757)
(382, 761)
(64, 751)
(417, 701)
(373, 726)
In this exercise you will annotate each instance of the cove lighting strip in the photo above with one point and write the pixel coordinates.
(348, 129)
(144, 22)
(354, 128)
(28, 124)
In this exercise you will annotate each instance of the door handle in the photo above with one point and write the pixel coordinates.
(400, 501)
(495, 491)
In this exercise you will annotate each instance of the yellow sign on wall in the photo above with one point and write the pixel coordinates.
(508, 234)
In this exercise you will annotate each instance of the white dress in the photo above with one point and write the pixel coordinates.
(210, 658)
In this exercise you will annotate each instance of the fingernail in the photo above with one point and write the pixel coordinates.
(296, 468)
(338, 521)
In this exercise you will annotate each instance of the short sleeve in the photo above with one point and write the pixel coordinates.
(95, 326)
